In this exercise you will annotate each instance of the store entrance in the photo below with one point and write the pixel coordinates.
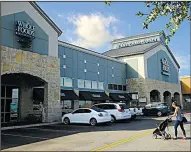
(9, 103)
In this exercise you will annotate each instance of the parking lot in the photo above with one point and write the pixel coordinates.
(123, 136)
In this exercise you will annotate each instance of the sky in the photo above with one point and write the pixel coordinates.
(93, 25)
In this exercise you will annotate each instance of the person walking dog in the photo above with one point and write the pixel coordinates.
(178, 121)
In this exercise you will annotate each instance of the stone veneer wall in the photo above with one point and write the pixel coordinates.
(45, 67)
(145, 86)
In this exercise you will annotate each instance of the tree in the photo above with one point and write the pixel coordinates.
(177, 11)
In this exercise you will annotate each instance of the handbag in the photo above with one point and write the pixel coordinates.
(184, 119)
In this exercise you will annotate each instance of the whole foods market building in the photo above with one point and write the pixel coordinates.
(40, 71)
(29, 61)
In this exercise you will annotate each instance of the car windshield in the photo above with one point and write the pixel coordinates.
(97, 109)
(124, 106)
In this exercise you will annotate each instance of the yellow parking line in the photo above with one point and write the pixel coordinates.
(122, 141)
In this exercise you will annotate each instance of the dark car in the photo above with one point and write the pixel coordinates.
(158, 109)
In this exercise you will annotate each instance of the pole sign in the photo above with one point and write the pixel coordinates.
(165, 66)
(25, 29)
(135, 42)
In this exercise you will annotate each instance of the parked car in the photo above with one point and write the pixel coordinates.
(91, 116)
(158, 109)
(137, 111)
(132, 110)
(117, 110)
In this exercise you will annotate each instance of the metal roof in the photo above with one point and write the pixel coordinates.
(139, 36)
(137, 49)
(65, 44)
(46, 17)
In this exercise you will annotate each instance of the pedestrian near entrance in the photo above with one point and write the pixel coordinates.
(178, 121)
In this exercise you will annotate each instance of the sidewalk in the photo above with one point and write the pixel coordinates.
(29, 125)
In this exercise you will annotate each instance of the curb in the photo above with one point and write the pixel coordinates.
(31, 125)
(187, 112)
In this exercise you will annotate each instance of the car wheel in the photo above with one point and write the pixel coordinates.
(113, 119)
(93, 122)
(66, 121)
(133, 117)
(155, 136)
(159, 113)
(169, 136)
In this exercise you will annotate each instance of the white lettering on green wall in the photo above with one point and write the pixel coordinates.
(165, 66)
(25, 29)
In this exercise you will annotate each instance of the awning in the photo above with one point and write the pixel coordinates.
(93, 96)
(68, 95)
(120, 96)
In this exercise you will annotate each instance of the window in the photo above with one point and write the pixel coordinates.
(100, 85)
(88, 84)
(107, 106)
(124, 106)
(80, 83)
(111, 106)
(115, 87)
(78, 111)
(94, 85)
(110, 86)
(64, 66)
(101, 106)
(124, 88)
(120, 87)
(85, 104)
(97, 109)
(81, 104)
(134, 96)
(68, 82)
(67, 104)
(87, 111)
(61, 81)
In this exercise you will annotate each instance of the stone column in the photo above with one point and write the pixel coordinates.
(26, 102)
(76, 102)
(52, 104)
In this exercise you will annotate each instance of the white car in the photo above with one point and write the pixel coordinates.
(136, 112)
(87, 116)
(116, 110)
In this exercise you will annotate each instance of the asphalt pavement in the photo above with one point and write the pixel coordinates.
(122, 136)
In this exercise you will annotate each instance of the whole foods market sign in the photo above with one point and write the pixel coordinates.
(25, 29)
(135, 42)
(165, 66)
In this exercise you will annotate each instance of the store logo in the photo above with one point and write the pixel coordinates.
(135, 42)
(96, 95)
(165, 66)
(62, 94)
(26, 33)
(122, 97)
(25, 29)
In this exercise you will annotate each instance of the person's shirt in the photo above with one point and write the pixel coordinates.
(178, 114)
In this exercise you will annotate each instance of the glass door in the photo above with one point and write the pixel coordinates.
(9, 103)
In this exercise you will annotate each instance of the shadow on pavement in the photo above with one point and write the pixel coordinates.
(23, 136)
